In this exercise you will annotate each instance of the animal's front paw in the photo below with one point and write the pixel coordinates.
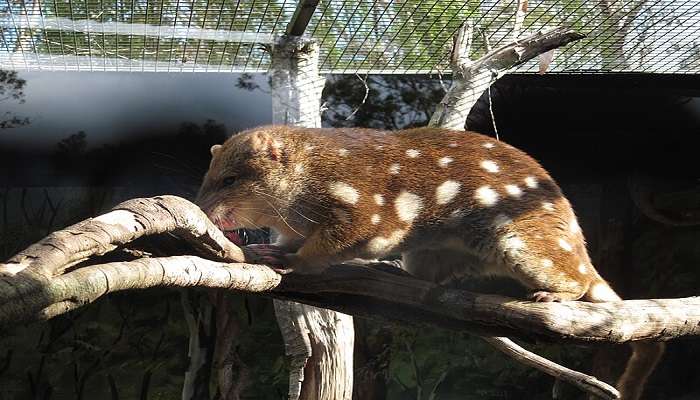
(545, 297)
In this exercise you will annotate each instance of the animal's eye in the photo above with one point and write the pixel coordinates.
(229, 180)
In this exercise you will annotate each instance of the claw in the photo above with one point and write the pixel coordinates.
(545, 297)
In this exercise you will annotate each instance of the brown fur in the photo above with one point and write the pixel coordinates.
(317, 188)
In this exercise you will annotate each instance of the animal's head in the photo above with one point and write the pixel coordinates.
(252, 179)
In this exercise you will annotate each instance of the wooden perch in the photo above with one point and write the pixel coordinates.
(375, 290)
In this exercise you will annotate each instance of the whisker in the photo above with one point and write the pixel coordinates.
(313, 203)
(250, 222)
(319, 214)
(284, 219)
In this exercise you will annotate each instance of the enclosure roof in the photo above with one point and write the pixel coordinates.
(379, 36)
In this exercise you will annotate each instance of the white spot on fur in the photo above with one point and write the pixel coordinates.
(375, 219)
(382, 245)
(344, 192)
(394, 169)
(501, 220)
(412, 153)
(379, 199)
(445, 161)
(601, 292)
(547, 263)
(574, 226)
(486, 196)
(548, 206)
(489, 166)
(408, 206)
(514, 243)
(447, 191)
(514, 191)
(582, 269)
(488, 145)
(343, 152)
(453, 144)
(531, 182)
(309, 147)
(511, 245)
(298, 168)
(379, 147)
(565, 245)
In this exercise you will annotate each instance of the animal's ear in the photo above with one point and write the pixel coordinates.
(215, 149)
(264, 143)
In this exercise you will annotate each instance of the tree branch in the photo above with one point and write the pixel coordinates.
(376, 290)
(472, 78)
(371, 291)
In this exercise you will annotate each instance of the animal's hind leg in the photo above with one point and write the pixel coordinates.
(551, 272)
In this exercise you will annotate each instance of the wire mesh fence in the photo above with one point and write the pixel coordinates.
(362, 36)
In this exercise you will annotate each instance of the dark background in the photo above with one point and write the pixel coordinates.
(94, 139)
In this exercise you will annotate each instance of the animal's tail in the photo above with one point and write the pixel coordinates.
(645, 355)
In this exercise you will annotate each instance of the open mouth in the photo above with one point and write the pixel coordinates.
(238, 237)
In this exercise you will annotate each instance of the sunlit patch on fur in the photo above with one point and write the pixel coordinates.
(547, 263)
(309, 147)
(490, 166)
(344, 192)
(379, 147)
(488, 145)
(445, 161)
(531, 182)
(394, 169)
(379, 199)
(408, 205)
(565, 245)
(514, 190)
(376, 219)
(486, 196)
(283, 184)
(343, 152)
(298, 168)
(447, 191)
(453, 144)
(412, 153)
(601, 292)
(582, 268)
(548, 206)
(382, 245)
